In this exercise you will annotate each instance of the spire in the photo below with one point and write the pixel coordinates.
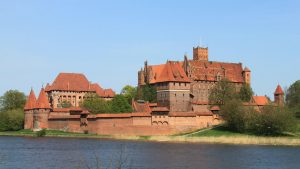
(278, 90)
(246, 69)
(42, 102)
(31, 101)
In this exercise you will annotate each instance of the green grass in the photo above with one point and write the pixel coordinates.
(51, 133)
(216, 132)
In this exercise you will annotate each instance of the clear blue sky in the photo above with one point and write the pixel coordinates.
(109, 41)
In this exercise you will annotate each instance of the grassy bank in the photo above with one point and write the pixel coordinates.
(212, 136)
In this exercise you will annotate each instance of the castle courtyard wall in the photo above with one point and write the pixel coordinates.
(142, 126)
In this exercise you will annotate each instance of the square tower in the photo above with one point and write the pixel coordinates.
(200, 53)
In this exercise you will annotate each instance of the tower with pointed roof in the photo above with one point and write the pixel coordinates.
(247, 75)
(279, 96)
(173, 88)
(41, 111)
(28, 110)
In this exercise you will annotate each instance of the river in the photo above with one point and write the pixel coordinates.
(69, 153)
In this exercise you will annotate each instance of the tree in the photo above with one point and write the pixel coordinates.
(12, 120)
(246, 93)
(274, 120)
(222, 92)
(233, 113)
(65, 104)
(148, 93)
(119, 104)
(12, 99)
(95, 104)
(129, 92)
(293, 97)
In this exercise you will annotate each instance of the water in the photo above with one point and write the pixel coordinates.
(65, 153)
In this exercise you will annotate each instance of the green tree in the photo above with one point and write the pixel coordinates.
(65, 104)
(119, 104)
(293, 97)
(222, 92)
(12, 99)
(273, 120)
(96, 105)
(246, 93)
(11, 120)
(233, 114)
(129, 92)
(148, 93)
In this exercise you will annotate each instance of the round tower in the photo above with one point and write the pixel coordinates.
(28, 110)
(41, 111)
(279, 96)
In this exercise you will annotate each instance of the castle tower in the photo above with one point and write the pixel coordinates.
(173, 88)
(42, 110)
(28, 110)
(247, 75)
(200, 53)
(279, 96)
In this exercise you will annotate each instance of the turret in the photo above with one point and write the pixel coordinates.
(247, 75)
(28, 110)
(200, 53)
(279, 96)
(41, 112)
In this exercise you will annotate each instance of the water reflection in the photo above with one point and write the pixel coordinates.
(60, 153)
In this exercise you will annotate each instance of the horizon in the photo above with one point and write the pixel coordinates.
(108, 42)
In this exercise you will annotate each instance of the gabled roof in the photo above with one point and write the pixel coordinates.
(173, 72)
(42, 101)
(109, 93)
(141, 107)
(279, 90)
(31, 101)
(261, 100)
(70, 82)
(209, 70)
(79, 83)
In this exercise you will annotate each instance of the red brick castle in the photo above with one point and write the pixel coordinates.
(182, 87)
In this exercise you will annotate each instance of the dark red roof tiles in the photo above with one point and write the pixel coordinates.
(31, 101)
(279, 90)
(79, 83)
(42, 101)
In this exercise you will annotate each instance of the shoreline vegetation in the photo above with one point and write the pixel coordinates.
(216, 135)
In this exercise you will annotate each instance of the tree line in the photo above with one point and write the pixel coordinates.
(270, 120)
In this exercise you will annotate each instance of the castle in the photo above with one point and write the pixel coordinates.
(182, 87)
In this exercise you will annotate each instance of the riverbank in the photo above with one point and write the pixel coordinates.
(210, 136)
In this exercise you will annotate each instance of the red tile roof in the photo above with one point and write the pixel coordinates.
(42, 101)
(261, 100)
(208, 71)
(79, 83)
(31, 101)
(141, 107)
(278, 90)
(182, 114)
(215, 108)
(173, 72)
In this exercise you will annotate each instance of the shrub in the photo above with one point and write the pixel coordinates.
(273, 121)
(12, 120)
(41, 133)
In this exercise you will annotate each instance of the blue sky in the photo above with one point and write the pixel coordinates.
(109, 41)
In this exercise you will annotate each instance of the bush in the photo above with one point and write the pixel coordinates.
(273, 121)
(12, 120)
(119, 104)
(41, 133)
(96, 105)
